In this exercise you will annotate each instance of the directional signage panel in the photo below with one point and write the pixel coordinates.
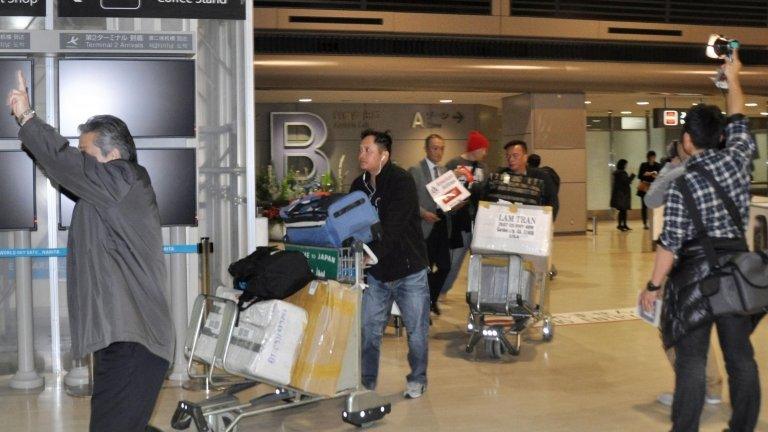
(29, 8)
(669, 117)
(10, 40)
(126, 41)
(205, 9)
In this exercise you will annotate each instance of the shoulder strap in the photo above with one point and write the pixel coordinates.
(727, 201)
(693, 212)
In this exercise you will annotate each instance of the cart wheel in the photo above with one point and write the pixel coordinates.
(494, 349)
(220, 422)
(547, 330)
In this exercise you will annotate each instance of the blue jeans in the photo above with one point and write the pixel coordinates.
(412, 296)
(457, 258)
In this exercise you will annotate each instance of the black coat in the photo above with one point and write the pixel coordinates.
(621, 192)
(402, 251)
(643, 173)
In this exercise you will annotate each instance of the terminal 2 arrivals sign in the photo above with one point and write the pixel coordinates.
(29, 8)
(204, 9)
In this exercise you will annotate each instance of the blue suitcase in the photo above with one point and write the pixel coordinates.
(348, 217)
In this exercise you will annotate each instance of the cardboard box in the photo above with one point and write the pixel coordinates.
(266, 342)
(514, 229)
(331, 309)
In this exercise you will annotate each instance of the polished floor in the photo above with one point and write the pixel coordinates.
(591, 377)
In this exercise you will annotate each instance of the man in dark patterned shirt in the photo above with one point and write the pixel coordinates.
(687, 321)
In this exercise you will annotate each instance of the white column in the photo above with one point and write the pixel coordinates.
(26, 378)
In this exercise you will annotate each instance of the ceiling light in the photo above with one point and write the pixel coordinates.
(642, 102)
(508, 67)
(626, 112)
(293, 63)
(750, 104)
(305, 100)
(587, 102)
(764, 113)
(446, 100)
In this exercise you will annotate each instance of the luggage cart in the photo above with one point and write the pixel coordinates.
(224, 411)
(505, 297)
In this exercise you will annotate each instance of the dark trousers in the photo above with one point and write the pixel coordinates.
(127, 379)
(622, 218)
(439, 257)
(644, 211)
(743, 380)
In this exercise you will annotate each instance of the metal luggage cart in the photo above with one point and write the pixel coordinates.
(505, 297)
(225, 410)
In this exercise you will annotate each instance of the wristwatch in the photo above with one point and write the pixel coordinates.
(651, 287)
(25, 116)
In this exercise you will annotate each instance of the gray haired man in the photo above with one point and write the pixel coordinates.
(115, 266)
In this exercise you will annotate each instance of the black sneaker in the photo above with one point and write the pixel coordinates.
(434, 308)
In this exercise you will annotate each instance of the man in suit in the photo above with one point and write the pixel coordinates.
(434, 224)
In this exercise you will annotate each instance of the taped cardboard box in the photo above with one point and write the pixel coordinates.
(264, 345)
(206, 342)
(524, 230)
(267, 340)
(331, 310)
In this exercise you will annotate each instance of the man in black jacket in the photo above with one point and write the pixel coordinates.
(521, 183)
(401, 273)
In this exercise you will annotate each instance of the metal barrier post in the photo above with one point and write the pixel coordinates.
(205, 248)
(26, 378)
(178, 272)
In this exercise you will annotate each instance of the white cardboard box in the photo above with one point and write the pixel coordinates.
(267, 341)
(513, 229)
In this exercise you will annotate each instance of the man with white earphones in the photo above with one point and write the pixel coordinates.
(401, 273)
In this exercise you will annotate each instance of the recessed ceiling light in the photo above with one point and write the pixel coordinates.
(305, 100)
(626, 112)
(695, 103)
(595, 121)
(764, 113)
(587, 102)
(642, 102)
(750, 104)
(446, 100)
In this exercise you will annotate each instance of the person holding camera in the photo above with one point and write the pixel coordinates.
(687, 318)
(655, 198)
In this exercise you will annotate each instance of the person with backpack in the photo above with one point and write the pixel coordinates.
(401, 272)
(534, 160)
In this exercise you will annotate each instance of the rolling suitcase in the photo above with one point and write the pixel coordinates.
(329, 221)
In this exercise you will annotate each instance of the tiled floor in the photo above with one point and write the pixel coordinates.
(591, 377)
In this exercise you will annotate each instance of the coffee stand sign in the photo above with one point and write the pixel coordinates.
(30, 8)
(205, 9)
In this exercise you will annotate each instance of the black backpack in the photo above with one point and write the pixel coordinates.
(270, 274)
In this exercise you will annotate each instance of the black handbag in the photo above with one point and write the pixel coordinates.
(737, 282)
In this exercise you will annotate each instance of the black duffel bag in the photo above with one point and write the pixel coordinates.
(270, 274)
(738, 281)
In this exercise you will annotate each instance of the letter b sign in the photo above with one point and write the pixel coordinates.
(296, 142)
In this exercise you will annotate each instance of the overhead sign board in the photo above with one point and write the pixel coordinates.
(30, 8)
(126, 41)
(669, 117)
(205, 9)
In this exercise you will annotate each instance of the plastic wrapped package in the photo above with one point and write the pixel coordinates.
(331, 310)
(267, 340)
(514, 229)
